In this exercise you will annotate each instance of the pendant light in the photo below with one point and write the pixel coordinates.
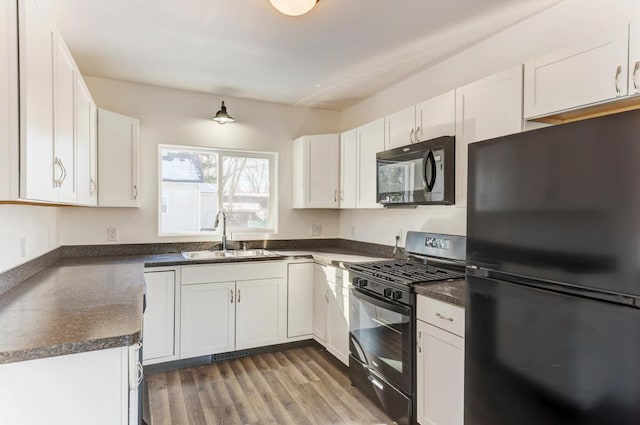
(222, 117)
(293, 7)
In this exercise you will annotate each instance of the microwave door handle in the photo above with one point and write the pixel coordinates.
(430, 182)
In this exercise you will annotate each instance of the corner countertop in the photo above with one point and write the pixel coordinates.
(451, 292)
(91, 303)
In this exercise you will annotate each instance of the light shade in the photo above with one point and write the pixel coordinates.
(293, 7)
(222, 117)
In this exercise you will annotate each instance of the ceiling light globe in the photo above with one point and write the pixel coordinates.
(293, 7)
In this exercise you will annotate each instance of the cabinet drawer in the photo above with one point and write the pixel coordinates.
(211, 273)
(437, 313)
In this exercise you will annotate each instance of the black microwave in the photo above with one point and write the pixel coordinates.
(419, 174)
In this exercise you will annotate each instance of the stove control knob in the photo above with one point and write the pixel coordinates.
(363, 283)
(356, 281)
(397, 295)
(387, 292)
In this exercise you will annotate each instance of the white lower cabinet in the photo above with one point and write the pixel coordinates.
(230, 307)
(159, 317)
(440, 363)
(208, 317)
(300, 300)
(331, 310)
(70, 389)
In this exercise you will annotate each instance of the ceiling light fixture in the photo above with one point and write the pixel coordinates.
(222, 117)
(293, 7)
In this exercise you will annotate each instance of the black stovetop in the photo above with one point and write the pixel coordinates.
(408, 272)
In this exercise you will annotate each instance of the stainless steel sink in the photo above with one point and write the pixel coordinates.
(230, 253)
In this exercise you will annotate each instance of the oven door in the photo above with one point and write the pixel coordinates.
(380, 337)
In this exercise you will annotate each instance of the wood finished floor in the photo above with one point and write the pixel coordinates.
(299, 386)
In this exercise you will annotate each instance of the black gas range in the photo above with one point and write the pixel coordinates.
(382, 338)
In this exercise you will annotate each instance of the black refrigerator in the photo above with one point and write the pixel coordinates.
(553, 278)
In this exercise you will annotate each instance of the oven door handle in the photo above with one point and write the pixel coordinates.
(429, 182)
(381, 302)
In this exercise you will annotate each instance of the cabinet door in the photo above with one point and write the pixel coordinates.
(64, 112)
(370, 142)
(338, 322)
(634, 58)
(261, 313)
(300, 300)
(348, 168)
(9, 144)
(440, 369)
(207, 319)
(36, 41)
(86, 164)
(436, 117)
(400, 128)
(320, 302)
(159, 316)
(485, 109)
(118, 170)
(592, 72)
(316, 169)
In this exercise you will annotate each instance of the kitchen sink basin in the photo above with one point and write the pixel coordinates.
(230, 253)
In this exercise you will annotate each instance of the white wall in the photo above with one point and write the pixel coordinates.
(39, 227)
(564, 24)
(178, 117)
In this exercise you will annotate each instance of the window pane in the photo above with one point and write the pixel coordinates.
(189, 191)
(245, 194)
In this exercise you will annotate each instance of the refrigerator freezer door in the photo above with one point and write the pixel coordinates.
(538, 357)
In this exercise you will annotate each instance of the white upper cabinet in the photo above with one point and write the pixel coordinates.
(64, 113)
(592, 72)
(316, 171)
(36, 40)
(488, 108)
(436, 117)
(9, 170)
(118, 160)
(86, 146)
(432, 118)
(400, 128)
(348, 168)
(634, 59)
(370, 142)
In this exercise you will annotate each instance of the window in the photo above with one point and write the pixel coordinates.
(196, 183)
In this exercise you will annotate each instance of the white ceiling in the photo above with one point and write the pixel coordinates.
(339, 54)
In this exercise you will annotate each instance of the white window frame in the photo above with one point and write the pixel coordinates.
(237, 232)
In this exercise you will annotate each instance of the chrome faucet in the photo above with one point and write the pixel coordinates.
(224, 228)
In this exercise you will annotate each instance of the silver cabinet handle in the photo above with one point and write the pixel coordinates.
(342, 195)
(232, 296)
(238, 295)
(418, 131)
(92, 187)
(411, 139)
(335, 195)
(326, 295)
(636, 83)
(57, 182)
(135, 192)
(420, 342)
(64, 172)
(443, 317)
(618, 73)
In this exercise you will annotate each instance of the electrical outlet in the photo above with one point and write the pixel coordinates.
(23, 246)
(399, 236)
(316, 230)
(112, 234)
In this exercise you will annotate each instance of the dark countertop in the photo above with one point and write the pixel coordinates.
(71, 307)
(451, 292)
(91, 303)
